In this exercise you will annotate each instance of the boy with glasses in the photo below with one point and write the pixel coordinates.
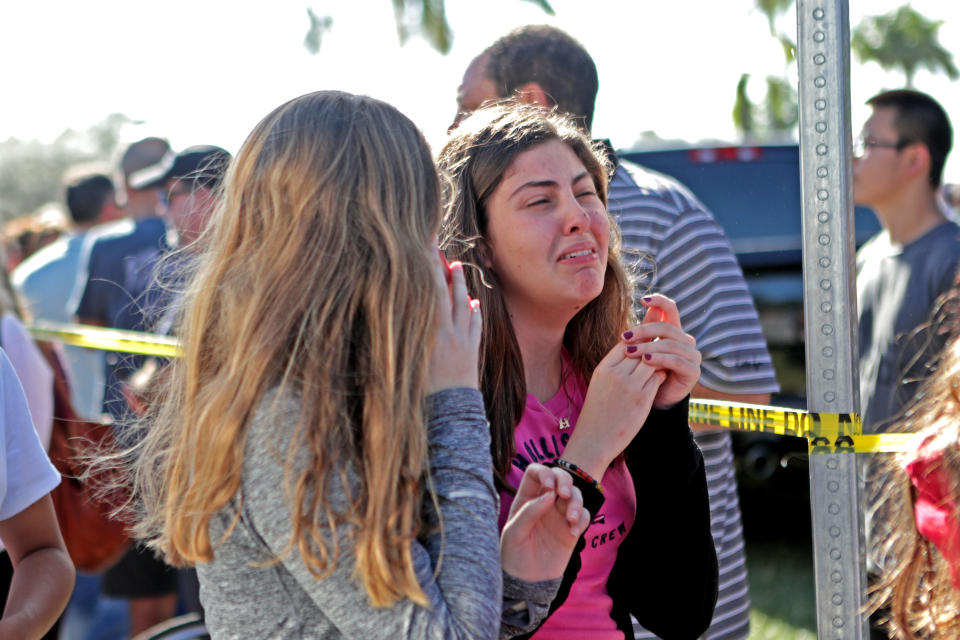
(897, 171)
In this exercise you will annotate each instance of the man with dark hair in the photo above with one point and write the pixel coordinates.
(87, 198)
(540, 58)
(897, 171)
(50, 280)
(693, 264)
(903, 270)
(545, 64)
(919, 118)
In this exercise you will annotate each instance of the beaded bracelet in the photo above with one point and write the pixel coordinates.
(580, 473)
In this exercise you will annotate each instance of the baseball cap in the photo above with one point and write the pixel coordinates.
(205, 164)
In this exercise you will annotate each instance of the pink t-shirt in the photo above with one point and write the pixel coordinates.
(586, 611)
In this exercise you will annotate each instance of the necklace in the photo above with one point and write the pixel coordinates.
(562, 423)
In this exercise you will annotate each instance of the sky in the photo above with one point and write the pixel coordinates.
(206, 71)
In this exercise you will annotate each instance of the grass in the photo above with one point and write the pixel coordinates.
(782, 591)
(777, 530)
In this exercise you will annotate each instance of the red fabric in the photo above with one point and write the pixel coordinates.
(93, 538)
(936, 508)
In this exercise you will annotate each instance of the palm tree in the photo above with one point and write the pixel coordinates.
(904, 40)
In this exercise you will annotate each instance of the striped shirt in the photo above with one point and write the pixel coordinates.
(684, 254)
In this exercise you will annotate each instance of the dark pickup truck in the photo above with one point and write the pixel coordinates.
(754, 193)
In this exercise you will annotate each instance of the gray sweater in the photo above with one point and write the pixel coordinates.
(284, 600)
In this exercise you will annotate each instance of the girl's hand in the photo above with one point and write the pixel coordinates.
(454, 361)
(660, 342)
(618, 401)
(544, 524)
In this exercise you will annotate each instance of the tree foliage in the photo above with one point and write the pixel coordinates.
(426, 18)
(903, 40)
(32, 173)
(319, 25)
(782, 105)
(743, 108)
(772, 9)
(778, 113)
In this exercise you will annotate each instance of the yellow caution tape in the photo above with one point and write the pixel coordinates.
(825, 432)
(80, 335)
(872, 443)
(777, 420)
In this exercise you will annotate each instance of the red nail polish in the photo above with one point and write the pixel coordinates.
(647, 298)
(446, 267)
(627, 335)
(646, 356)
(632, 349)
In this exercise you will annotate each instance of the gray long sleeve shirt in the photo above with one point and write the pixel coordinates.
(284, 600)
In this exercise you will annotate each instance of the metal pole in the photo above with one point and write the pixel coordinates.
(823, 53)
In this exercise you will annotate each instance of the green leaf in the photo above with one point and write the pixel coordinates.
(428, 18)
(319, 25)
(434, 25)
(772, 9)
(789, 48)
(743, 108)
(543, 4)
(782, 110)
(903, 40)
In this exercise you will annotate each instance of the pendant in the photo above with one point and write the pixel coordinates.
(564, 423)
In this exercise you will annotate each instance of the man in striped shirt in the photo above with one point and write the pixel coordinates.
(686, 256)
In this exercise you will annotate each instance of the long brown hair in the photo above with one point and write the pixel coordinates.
(473, 161)
(915, 582)
(317, 281)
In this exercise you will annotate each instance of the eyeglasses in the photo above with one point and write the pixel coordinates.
(861, 144)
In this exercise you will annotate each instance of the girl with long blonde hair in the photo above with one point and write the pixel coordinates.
(321, 452)
(569, 378)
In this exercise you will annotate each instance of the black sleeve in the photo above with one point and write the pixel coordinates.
(666, 568)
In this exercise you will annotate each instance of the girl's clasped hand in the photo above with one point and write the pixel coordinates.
(662, 344)
(655, 365)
